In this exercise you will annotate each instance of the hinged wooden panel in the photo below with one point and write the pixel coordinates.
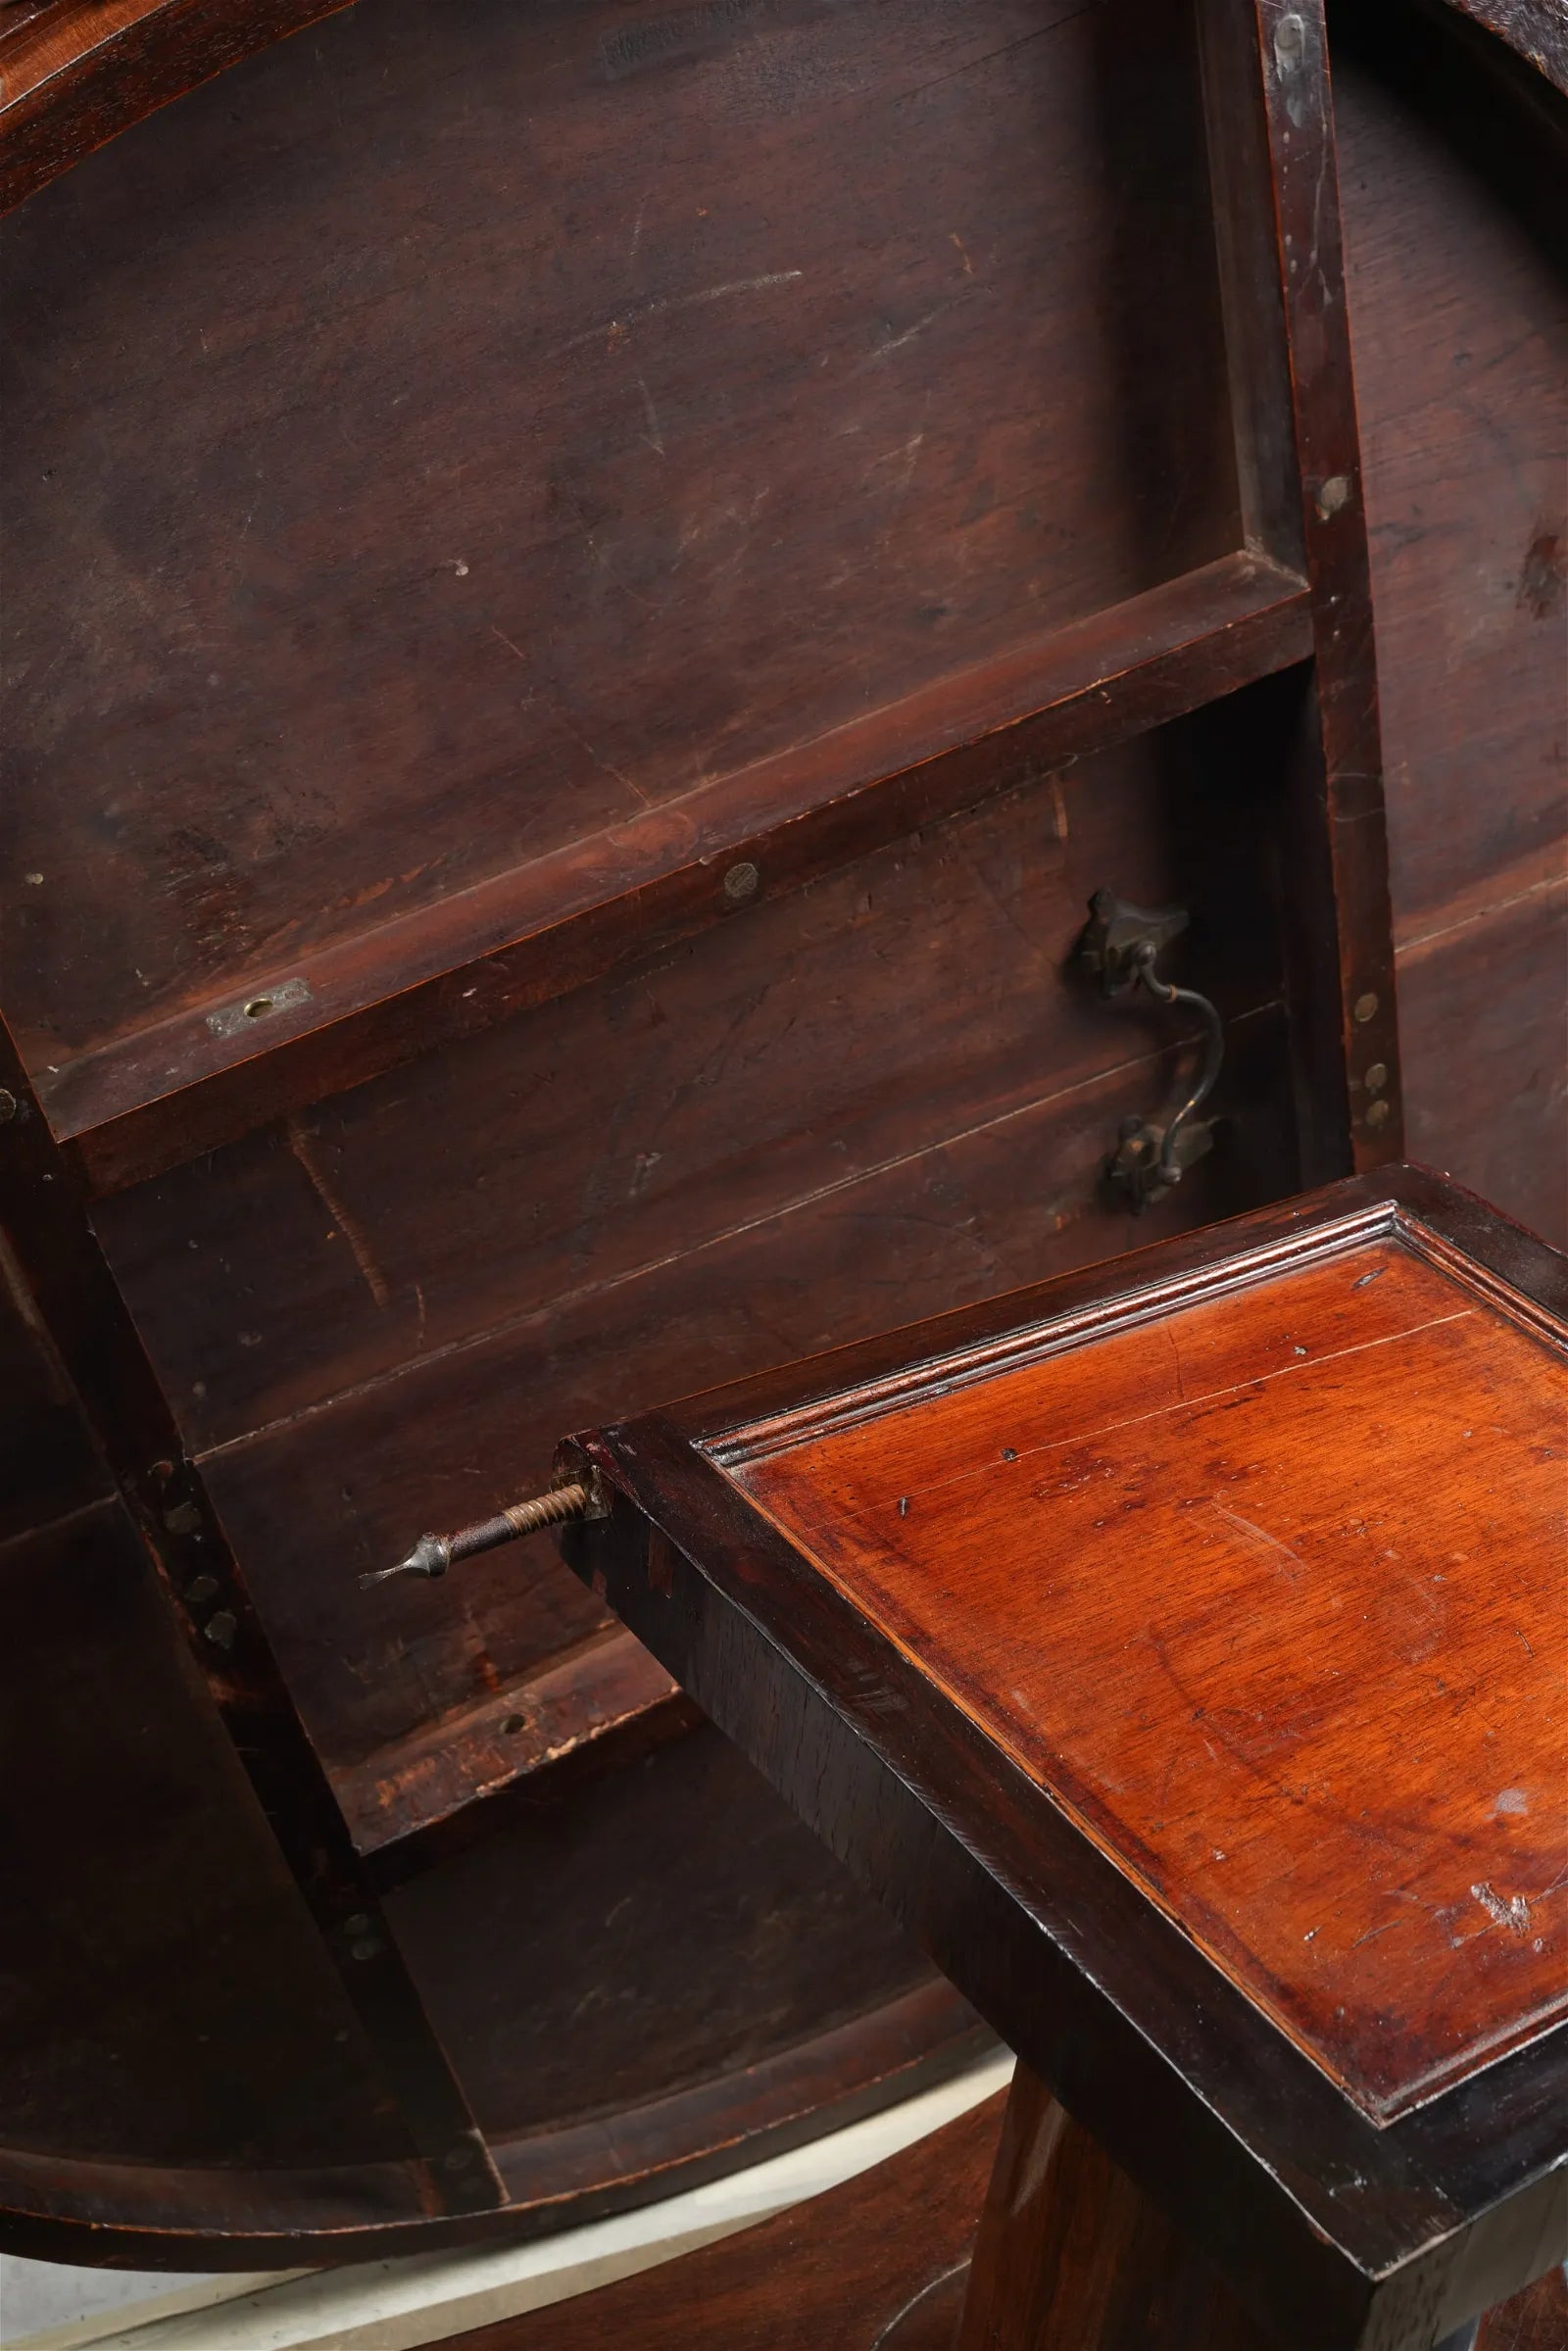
(600, 590)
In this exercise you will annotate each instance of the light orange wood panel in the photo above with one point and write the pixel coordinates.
(1269, 1591)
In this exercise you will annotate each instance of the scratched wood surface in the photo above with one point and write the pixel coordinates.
(882, 1095)
(175, 2048)
(167, 2002)
(733, 386)
(879, 2263)
(968, 1697)
(1268, 1591)
(342, 399)
(604, 1901)
(1452, 160)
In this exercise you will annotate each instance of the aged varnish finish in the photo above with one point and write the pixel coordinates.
(1154, 1643)
(877, 2265)
(590, 595)
(1303, 1545)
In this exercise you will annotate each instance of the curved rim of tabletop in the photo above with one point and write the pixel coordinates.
(133, 2214)
(74, 74)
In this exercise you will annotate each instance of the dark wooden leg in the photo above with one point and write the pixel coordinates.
(1070, 2256)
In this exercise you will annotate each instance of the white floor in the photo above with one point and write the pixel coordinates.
(397, 2305)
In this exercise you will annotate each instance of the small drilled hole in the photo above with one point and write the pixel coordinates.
(514, 1724)
(258, 1007)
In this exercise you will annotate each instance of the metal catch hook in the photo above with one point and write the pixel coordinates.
(1121, 944)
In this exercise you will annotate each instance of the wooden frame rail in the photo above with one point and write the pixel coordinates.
(76, 72)
(157, 1095)
(157, 1098)
(164, 1095)
(60, 1258)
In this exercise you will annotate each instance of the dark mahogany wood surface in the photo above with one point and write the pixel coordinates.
(1061, 1926)
(178, 2064)
(1537, 2321)
(879, 2263)
(1297, 1550)
(1454, 160)
(328, 724)
(49, 1467)
(1533, 28)
(77, 73)
(632, 428)
(162, 1095)
(399, 1295)
(875, 2265)
(136, 1850)
(1068, 2251)
(1335, 909)
(727, 1180)
(605, 1866)
(210, 1620)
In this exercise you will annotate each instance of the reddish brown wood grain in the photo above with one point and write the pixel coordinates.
(691, 1172)
(161, 1096)
(1534, 2321)
(912, 998)
(349, 1486)
(574, 524)
(876, 2264)
(87, 70)
(879, 2263)
(1451, 168)
(595, 1956)
(454, 1761)
(1068, 2251)
(247, 250)
(1269, 1592)
(1384, 2207)
(1336, 912)
(1485, 1016)
(75, 74)
(212, 1618)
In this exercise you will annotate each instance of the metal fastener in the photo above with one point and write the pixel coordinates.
(741, 880)
(9, 1107)
(1377, 1115)
(1377, 1077)
(233, 1019)
(221, 1629)
(433, 1554)
(1366, 1007)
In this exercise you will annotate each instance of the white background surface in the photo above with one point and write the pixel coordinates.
(397, 2305)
